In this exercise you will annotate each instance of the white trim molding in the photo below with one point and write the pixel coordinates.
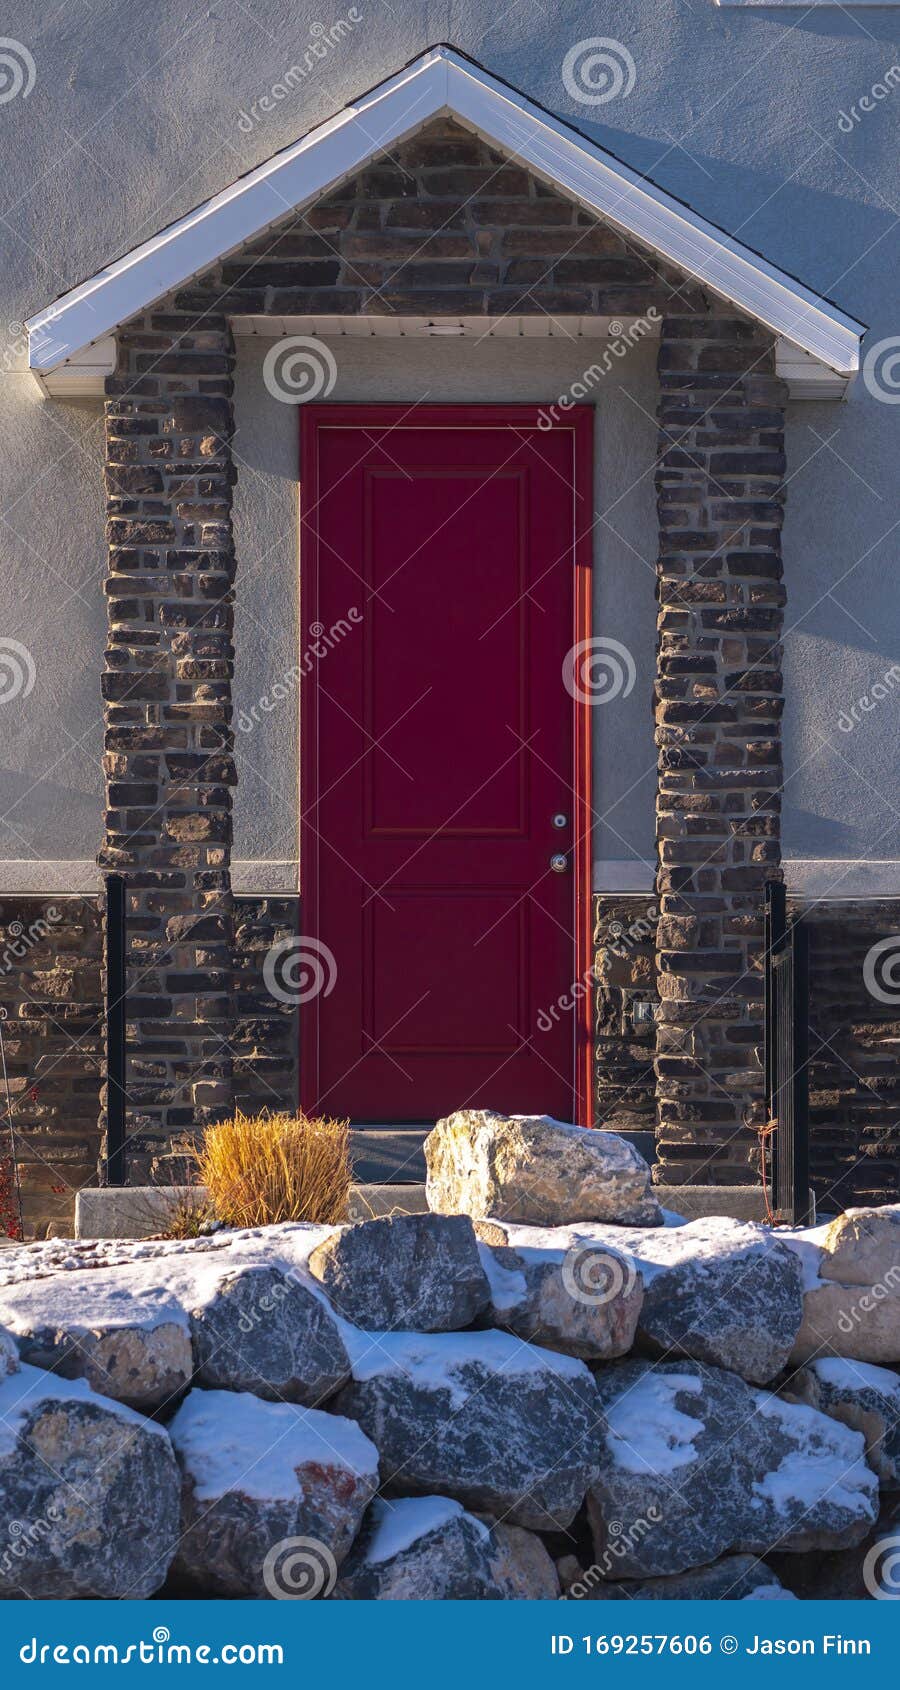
(440, 81)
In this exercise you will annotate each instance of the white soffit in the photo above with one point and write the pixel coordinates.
(440, 81)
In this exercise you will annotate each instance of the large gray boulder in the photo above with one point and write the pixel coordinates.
(419, 1273)
(501, 1426)
(719, 1290)
(736, 1578)
(722, 1291)
(260, 1329)
(89, 1493)
(429, 1549)
(533, 1169)
(862, 1396)
(562, 1289)
(121, 1329)
(273, 1495)
(696, 1463)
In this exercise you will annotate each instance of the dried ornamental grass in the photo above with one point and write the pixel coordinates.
(259, 1169)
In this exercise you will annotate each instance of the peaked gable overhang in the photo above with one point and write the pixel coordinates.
(74, 333)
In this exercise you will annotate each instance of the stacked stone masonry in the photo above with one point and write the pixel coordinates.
(719, 697)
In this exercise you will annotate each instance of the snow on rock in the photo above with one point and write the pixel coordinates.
(428, 1548)
(565, 1292)
(259, 1329)
(862, 1396)
(121, 1330)
(257, 1476)
(534, 1169)
(698, 1463)
(497, 1424)
(89, 1493)
(851, 1286)
(716, 1289)
(418, 1273)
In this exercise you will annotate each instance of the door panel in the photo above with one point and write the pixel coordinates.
(438, 743)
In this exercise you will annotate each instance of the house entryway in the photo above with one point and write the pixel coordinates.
(444, 842)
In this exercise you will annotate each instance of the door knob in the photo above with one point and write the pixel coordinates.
(559, 863)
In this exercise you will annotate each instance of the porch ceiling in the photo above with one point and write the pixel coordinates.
(70, 341)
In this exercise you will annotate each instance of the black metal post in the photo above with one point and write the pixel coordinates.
(115, 1030)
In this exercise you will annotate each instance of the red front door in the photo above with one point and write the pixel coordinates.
(439, 756)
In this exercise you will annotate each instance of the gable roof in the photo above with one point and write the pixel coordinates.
(439, 82)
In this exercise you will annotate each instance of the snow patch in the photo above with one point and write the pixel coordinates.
(234, 1441)
(646, 1432)
(508, 1286)
(401, 1523)
(854, 1375)
(21, 1393)
(827, 1464)
(439, 1361)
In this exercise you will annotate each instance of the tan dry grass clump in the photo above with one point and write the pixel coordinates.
(259, 1169)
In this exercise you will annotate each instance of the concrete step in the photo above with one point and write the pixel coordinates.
(387, 1155)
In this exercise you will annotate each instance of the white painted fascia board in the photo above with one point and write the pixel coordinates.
(291, 179)
(83, 376)
(617, 193)
(441, 80)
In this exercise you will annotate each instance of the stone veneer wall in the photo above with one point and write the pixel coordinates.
(53, 1027)
(854, 1057)
(719, 698)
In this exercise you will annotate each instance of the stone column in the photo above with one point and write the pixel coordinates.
(167, 706)
(719, 485)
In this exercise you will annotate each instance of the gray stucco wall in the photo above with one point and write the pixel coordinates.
(135, 116)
